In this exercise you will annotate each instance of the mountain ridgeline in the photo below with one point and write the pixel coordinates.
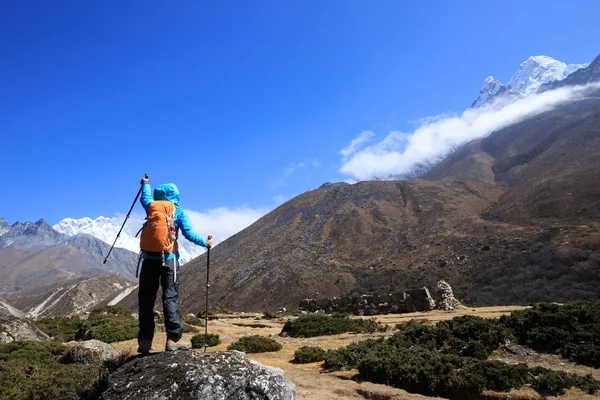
(508, 219)
(34, 254)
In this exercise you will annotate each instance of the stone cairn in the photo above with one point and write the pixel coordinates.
(366, 304)
(447, 301)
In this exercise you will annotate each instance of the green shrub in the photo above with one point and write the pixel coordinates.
(187, 328)
(572, 330)
(198, 341)
(108, 324)
(192, 320)
(112, 310)
(433, 374)
(587, 354)
(255, 344)
(61, 329)
(269, 314)
(449, 359)
(107, 328)
(359, 325)
(307, 354)
(213, 311)
(554, 383)
(32, 370)
(321, 325)
(350, 356)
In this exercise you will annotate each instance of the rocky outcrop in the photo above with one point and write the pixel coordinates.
(18, 329)
(194, 375)
(89, 351)
(74, 296)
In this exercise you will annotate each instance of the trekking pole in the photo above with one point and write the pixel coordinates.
(206, 307)
(126, 217)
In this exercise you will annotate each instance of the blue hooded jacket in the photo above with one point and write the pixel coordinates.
(169, 191)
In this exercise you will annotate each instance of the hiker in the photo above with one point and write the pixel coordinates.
(161, 262)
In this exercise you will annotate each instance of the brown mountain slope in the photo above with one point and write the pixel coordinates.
(549, 166)
(352, 238)
(508, 219)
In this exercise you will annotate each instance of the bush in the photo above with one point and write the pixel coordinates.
(192, 320)
(198, 341)
(187, 328)
(465, 336)
(307, 354)
(212, 311)
(572, 330)
(587, 354)
(321, 325)
(349, 357)
(433, 374)
(112, 310)
(450, 360)
(108, 324)
(61, 329)
(32, 370)
(107, 328)
(280, 314)
(255, 344)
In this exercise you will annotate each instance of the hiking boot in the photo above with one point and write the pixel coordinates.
(144, 346)
(172, 346)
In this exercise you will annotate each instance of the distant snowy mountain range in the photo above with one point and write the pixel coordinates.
(531, 75)
(106, 229)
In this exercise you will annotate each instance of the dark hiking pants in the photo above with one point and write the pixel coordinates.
(154, 273)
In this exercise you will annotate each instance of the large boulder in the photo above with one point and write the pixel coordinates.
(222, 375)
(89, 351)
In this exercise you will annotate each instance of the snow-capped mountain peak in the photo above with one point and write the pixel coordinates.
(491, 87)
(537, 70)
(106, 229)
(531, 74)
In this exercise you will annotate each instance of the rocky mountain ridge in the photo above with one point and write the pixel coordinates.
(498, 219)
(34, 254)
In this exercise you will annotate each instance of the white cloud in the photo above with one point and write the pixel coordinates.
(357, 143)
(436, 136)
(224, 222)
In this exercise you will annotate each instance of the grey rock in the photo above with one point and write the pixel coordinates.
(222, 375)
(422, 299)
(18, 329)
(4, 338)
(287, 328)
(89, 351)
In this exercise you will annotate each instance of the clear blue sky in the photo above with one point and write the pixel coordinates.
(227, 99)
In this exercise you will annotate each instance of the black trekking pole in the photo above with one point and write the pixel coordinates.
(206, 306)
(126, 217)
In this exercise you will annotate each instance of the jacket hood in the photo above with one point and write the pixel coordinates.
(167, 191)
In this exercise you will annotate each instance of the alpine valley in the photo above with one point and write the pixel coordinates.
(511, 218)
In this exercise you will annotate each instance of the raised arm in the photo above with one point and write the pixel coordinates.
(183, 223)
(146, 197)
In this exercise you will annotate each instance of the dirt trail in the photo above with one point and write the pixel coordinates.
(314, 384)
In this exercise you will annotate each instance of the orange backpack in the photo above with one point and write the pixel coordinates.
(159, 232)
